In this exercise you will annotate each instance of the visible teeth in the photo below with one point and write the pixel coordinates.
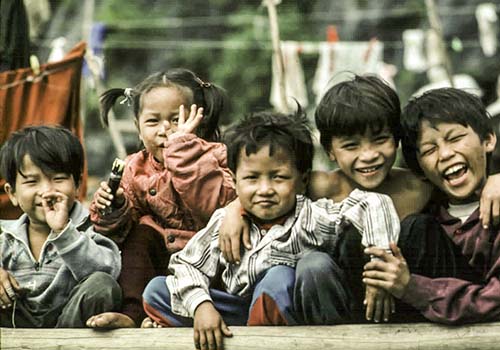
(454, 169)
(368, 170)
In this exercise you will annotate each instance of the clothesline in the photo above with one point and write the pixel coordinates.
(338, 16)
(223, 44)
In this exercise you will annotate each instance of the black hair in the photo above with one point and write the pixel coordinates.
(212, 98)
(290, 132)
(51, 148)
(350, 107)
(449, 105)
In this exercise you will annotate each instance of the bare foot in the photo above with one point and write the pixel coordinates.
(149, 323)
(110, 320)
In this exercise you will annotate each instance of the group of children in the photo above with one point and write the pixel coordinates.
(367, 241)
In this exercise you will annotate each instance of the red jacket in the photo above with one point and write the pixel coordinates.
(176, 198)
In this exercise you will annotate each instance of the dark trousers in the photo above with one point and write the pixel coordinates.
(328, 287)
(96, 294)
(144, 256)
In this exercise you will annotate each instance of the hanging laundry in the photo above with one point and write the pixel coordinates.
(414, 58)
(487, 21)
(340, 57)
(57, 52)
(433, 50)
(50, 97)
(38, 14)
(439, 79)
(295, 85)
(93, 66)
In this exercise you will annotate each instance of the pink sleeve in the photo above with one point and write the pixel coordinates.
(454, 301)
(199, 174)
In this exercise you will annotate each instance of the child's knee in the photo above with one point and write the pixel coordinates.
(156, 288)
(314, 264)
(103, 283)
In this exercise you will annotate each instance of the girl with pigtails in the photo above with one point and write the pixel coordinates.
(169, 189)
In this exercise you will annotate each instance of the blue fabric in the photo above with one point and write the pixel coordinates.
(277, 283)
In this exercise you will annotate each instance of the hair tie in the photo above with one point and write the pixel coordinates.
(128, 92)
(202, 83)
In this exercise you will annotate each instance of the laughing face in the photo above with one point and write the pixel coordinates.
(453, 158)
(365, 159)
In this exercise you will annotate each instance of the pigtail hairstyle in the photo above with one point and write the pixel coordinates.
(211, 97)
(108, 99)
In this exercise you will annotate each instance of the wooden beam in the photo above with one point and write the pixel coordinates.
(347, 337)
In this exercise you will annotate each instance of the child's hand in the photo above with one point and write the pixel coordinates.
(489, 208)
(189, 125)
(209, 327)
(390, 272)
(378, 303)
(233, 228)
(103, 197)
(56, 207)
(8, 289)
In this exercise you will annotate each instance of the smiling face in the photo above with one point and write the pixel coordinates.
(267, 185)
(453, 158)
(365, 159)
(158, 117)
(32, 184)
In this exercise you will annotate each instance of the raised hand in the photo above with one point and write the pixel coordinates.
(56, 207)
(189, 125)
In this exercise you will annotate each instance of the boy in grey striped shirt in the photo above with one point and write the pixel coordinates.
(270, 156)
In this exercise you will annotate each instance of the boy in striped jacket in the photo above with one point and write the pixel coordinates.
(270, 155)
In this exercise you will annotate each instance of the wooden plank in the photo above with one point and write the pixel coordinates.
(347, 337)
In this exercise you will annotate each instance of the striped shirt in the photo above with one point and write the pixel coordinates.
(313, 225)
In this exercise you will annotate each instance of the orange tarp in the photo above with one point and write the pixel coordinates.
(50, 97)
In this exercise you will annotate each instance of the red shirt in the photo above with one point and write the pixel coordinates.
(455, 301)
(176, 198)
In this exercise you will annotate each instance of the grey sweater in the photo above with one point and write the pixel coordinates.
(65, 260)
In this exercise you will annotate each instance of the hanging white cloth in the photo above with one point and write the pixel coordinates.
(487, 21)
(348, 57)
(439, 79)
(414, 57)
(57, 52)
(295, 84)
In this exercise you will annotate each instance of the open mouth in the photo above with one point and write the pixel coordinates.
(369, 170)
(454, 173)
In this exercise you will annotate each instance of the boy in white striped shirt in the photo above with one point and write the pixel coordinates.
(270, 156)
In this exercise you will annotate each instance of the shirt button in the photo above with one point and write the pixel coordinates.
(171, 238)
(458, 231)
(152, 191)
